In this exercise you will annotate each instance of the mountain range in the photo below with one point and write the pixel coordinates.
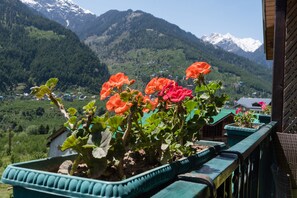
(231, 43)
(245, 47)
(144, 46)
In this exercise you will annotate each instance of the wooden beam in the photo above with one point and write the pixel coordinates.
(279, 62)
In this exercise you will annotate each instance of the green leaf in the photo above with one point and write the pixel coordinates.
(201, 88)
(189, 144)
(90, 106)
(205, 96)
(72, 111)
(42, 91)
(102, 141)
(97, 128)
(70, 142)
(34, 90)
(115, 121)
(89, 146)
(51, 83)
(101, 121)
(99, 152)
(164, 147)
(190, 105)
(125, 96)
(72, 119)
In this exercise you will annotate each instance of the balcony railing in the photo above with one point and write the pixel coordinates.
(244, 170)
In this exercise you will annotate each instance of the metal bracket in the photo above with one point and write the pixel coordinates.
(239, 155)
(236, 173)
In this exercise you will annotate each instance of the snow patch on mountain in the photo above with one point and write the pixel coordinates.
(29, 2)
(50, 5)
(231, 43)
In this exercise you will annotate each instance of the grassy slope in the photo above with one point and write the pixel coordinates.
(25, 146)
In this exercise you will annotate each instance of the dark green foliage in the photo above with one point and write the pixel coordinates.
(33, 49)
(39, 111)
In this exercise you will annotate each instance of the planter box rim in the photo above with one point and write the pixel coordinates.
(19, 174)
(233, 126)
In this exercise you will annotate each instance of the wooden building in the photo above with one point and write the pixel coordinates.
(215, 130)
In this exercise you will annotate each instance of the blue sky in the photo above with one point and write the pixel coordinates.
(242, 18)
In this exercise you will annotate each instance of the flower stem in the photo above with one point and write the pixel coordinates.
(128, 129)
(75, 165)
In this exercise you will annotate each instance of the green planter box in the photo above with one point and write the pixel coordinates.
(33, 179)
(235, 134)
(264, 118)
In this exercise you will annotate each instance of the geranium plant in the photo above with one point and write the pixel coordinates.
(244, 118)
(159, 125)
(266, 109)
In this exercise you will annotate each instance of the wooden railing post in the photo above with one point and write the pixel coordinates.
(279, 63)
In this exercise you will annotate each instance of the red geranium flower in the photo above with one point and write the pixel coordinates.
(238, 110)
(174, 93)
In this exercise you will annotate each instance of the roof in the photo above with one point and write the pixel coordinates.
(56, 134)
(268, 27)
(252, 103)
(224, 113)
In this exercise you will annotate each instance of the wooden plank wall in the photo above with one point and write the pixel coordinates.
(269, 16)
(290, 70)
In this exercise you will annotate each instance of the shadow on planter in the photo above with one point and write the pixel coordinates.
(33, 179)
(264, 118)
(235, 133)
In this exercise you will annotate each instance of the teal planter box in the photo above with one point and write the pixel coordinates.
(235, 133)
(264, 118)
(34, 179)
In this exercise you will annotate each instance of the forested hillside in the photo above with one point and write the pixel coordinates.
(145, 46)
(33, 49)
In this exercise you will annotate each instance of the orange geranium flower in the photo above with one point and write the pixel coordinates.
(156, 84)
(150, 104)
(118, 80)
(105, 91)
(117, 105)
(196, 69)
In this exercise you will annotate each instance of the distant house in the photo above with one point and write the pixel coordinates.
(67, 97)
(215, 130)
(56, 140)
(1, 98)
(252, 103)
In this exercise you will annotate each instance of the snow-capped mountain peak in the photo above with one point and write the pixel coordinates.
(231, 43)
(63, 4)
(65, 12)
